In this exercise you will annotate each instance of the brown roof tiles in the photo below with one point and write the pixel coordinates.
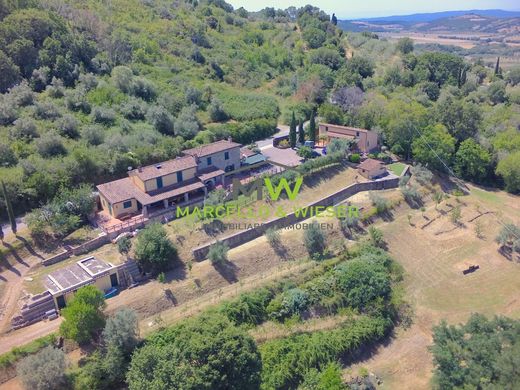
(215, 147)
(164, 168)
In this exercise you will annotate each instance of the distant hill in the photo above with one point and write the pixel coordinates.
(489, 21)
(429, 17)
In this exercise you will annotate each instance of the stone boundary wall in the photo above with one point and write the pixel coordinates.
(239, 238)
(78, 250)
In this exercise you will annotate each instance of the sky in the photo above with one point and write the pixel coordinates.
(359, 9)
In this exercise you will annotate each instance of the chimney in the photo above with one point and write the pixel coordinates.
(229, 139)
(139, 169)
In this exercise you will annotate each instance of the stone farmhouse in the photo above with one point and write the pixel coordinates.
(366, 140)
(165, 185)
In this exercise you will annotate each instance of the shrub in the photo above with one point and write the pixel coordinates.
(376, 237)
(355, 158)
(314, 240)
(187, 124)
(93, 134)
(216, 111)
(24, 128)
(218, 253)
(144, 89)
(134, 109)
(46, 110)
(50, 145)
(422, 174)
(292, 302)
(249, 308)
(83, 316)
(76, 100)
(154, 250)
(161, 119)
(304, 152)
(21, 95)
(379, 202)
(122, 330)
(68, 126)
(273, 237)
(104, 115)
(7, 156)
(45, 370)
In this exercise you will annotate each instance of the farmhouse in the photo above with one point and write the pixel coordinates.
(366, 140)
(178, 181)
(63, 283)
(372, 169)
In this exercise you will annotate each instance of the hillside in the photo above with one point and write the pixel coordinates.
(91, 90)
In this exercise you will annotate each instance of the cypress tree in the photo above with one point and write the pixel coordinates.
(312, 128)
(301, 133)
(1, 234)
(292, 132)
(334, 20)
(497, 67)
(9, 208)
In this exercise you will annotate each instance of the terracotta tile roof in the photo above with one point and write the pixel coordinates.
(343, 129)
(118, 190)
(215, 147)
(209, 173)
(370, 164)
(124, 189)
(164, 168)
(246, 152)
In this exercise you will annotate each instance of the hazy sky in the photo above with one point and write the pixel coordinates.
(345, 9)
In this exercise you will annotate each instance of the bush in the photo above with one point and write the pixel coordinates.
(154, 251)
(249, 106)
(161, 119)
(273, 237)
(422, 174)
(45, 370)
(226, 356)
(24, 128)
(216, 111)
(134, 109)
(314, 240)
(304, 152)
(93, 135)
(187, 124)
(104, 115)
(144, 89)
(50, 145)
(379, 202)
(7, 156)
(21, 95)
(68, 127)
(249, 308)
(83, 316)
(376, 237)
(218, 253)
(46, 110)
(355, 158)
(122, 331)
(292, 302)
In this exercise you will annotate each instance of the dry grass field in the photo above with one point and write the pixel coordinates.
(433, 258)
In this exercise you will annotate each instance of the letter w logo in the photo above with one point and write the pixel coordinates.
(275, 194)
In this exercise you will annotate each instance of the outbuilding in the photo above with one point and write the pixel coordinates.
(372, 169)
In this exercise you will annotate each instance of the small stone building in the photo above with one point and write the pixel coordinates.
(372, 169)
(63, 283)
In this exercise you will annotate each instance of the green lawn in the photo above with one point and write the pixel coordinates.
(396, 168)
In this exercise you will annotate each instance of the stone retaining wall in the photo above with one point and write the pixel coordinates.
(239, 238)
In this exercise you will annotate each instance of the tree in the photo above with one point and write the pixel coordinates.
(9, 207)
(44, 370)
(497, 92)
(376, 237)
(314, 240)
(509, 169)
(9, 72)
(438, 196)
(461, 118)
(472, 161)
(509, 234)
(455, 215)
(312, 127)
(435, 148)
(83, 315)
(273, 237)
(362, 282)
(405, 45)
(154, 251)
(328, 379)
(331, 114)
(480, 354)
(226, 358)
(301, 133)
(334, 20)
(218, 252)
(122, 331)
(187, 124)
(124, 245)
(292, 131)
(304, 152)
(497, 67)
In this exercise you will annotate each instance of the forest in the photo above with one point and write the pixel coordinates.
(89, 90)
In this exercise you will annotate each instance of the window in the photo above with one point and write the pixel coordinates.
(326, 128)
(226, 155)
(357, 133)
(179, 176)
(127, 204)
(208, 160)
(159, 182)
